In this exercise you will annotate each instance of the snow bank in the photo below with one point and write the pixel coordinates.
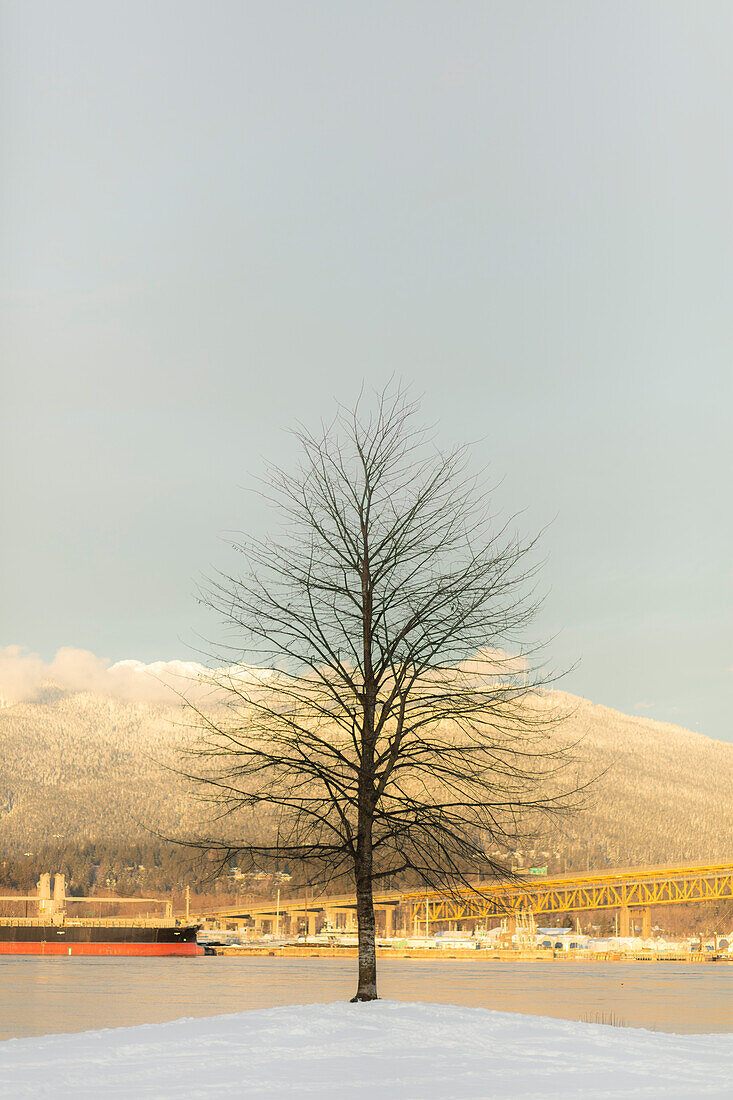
(381, 1050)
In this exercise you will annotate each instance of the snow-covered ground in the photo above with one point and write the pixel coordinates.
(381, 1050)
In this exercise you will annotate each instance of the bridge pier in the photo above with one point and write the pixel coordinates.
(628, 919)
(389, 921)
(646, 923)
(309, 917)
(341, 917)
(624, 922)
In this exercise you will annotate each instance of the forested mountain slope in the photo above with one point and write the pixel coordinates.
(80, 767)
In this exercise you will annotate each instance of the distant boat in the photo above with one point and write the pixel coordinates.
(52, 932)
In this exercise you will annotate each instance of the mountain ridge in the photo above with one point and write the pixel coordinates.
(80, 766)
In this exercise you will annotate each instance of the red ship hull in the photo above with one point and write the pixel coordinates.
(177, 950)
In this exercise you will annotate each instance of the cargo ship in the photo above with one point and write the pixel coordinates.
(54, 932)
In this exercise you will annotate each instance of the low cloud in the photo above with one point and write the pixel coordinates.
(495, 662)
(25, 675)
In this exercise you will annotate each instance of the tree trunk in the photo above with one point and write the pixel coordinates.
(367, 990)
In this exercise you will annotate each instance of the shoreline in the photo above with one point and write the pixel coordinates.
(323, 951)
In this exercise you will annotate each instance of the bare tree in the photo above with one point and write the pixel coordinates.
(397, 730)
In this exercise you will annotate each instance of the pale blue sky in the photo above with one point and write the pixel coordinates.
(219, 216)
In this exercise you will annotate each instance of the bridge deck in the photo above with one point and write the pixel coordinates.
(617, 888)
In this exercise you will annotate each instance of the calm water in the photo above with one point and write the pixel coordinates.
(43, 996)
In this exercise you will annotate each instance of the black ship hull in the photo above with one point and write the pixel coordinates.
(98, 939)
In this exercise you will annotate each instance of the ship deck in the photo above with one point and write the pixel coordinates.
(94, 922)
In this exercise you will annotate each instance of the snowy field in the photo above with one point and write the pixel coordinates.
(381, 1050)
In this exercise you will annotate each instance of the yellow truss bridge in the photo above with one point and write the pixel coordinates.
(637, 888)
(627, 891)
